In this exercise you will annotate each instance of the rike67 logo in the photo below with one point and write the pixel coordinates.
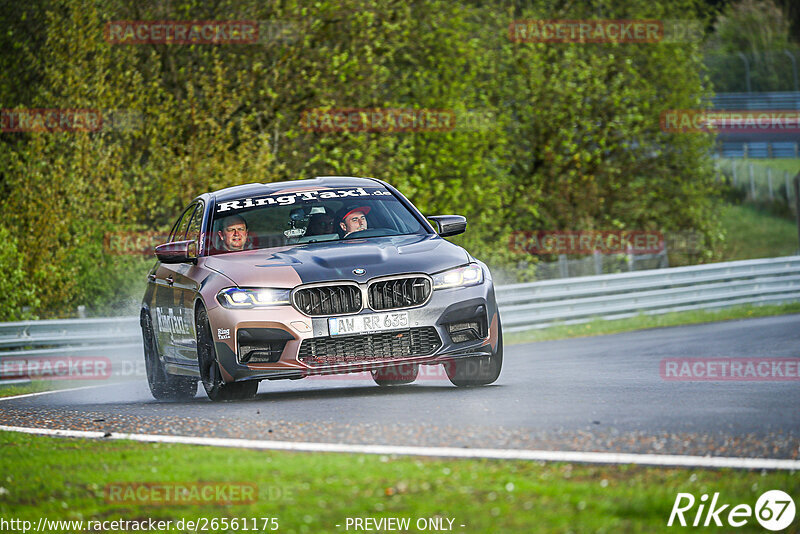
(774, 510)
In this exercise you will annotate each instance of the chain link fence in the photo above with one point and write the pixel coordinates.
(595, 264)
(758, 182)
(754, 72)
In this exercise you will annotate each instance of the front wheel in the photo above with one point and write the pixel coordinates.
(477, 370)
(210, 375)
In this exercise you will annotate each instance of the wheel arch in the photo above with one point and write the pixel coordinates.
(145, 313)
(198, 303)
(146, 323)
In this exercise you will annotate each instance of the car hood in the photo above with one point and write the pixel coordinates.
(319, 262)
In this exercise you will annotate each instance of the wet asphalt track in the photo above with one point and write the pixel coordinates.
(589, 394)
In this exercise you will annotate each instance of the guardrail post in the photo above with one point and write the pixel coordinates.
(752, 183)
(769, 182)
(563, 266)
(797, 207)
(794, 67)
(788, 188)
(746, 71)
(598, 262)
(631, 258)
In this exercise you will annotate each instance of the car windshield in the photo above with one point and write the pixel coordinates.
(308, 216)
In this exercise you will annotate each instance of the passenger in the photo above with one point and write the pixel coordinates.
(321, 224)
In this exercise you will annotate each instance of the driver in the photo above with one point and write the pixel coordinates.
(233, 234)
(354, 220)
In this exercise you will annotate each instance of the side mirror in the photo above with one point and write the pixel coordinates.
(447, 225)
(177, 252)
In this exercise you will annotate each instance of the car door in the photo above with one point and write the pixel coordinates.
(186, 283)
(169, 319)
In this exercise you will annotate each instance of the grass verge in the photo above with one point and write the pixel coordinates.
(34, 386)
(790, 165)
(313, 492)
(640, 322)
(752, 233)
(37, 386)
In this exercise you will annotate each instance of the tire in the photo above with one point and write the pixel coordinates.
(210, 375)
(163, 386)
(477, 370)
(396, 375)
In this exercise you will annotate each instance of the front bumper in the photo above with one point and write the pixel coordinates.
(444, 308)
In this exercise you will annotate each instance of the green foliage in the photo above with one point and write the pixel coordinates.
(18, 295)
(759, 30)
(751, 26)
(573, 140)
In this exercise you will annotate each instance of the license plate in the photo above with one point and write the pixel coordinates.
(368, 323)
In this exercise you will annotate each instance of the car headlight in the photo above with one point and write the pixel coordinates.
(241, 298)
(469, 275)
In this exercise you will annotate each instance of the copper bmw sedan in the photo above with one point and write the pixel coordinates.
(312, 277)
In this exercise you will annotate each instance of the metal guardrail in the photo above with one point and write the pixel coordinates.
(771, 101)
(86, 337)
(617, 296)
(522, 306)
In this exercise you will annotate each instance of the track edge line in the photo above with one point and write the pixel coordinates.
(653, 460)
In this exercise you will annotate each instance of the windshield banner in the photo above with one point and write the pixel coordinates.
(286, 199)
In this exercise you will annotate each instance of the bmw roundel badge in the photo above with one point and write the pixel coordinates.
(359, 271)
